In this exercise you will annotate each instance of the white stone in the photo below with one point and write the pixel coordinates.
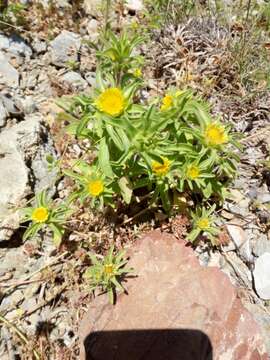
(240, 242)
(262, 276)
(74, 79)
(134, 5)
(23, 150)
(65, 48)
(8, 74)
(15, 44)
(3, 114)
(92, 29)
(92, 7)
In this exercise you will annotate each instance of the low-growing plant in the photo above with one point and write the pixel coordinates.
(166, 147)
(107, 273)
(203, 222)
(11, 14)
(45, 214)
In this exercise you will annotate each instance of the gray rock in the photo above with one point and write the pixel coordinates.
(91, 78)
(241, 208)
(60, 4)
(12, 300)
(263, 197)
(29, 304)
(262, 317)
(65, 48)
(93, 29)
(14, 44)
(27, 104)
(240, 242)
(11, 104)
(63, 4)
(29, 79)
(134, 5)
(16, 259)
(23, 167)
(261, 276)
(3, 114)
(261, 246)
(74, 80)
(8, 74)
(93, 7)
(39, 46)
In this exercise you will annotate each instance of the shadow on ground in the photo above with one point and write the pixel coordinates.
(148, 345)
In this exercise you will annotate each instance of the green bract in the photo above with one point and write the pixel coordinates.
(107, 273)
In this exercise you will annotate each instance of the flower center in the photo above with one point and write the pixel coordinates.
(108, 269)
(161, 169)
(203, 223)
(40, 214)
(111, 102)
(193, 172)
(167, 102)
(95, 187)
(215, 135)
(137, 72)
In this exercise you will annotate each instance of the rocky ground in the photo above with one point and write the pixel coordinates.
(41, 293)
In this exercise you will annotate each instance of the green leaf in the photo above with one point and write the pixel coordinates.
(32, 231)
(117, 284)
(111, 295)
(192, 236)
(126, 189)
(207, 191)
(115, 137)
(82, 124)
(58, 232)
(104, 159)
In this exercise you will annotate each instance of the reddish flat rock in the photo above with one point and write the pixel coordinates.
(175, 309)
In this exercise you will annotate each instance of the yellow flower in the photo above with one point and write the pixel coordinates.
(134, 25)
(95, 187)
(167, 102)
(215, 135)
(193, 172)
(203, 223)
(137, 72)
(161, 169)
(111, 102)
(40, 215)
(108, 269)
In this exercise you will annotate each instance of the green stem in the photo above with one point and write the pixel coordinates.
(106, 18)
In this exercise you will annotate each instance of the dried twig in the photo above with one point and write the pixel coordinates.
(20, 334)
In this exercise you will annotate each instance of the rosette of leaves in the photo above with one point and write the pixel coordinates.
(45, 214)
(107, 273)
(203, 222)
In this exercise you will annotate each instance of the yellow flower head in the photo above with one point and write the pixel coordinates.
(137, 72)
(161, 169)
(108, 269)
(167, 102)
(193, 172)
(203, 223)
(134, 25)
(111, 102)
(215, 134)
(40, 215)
(95, 187)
